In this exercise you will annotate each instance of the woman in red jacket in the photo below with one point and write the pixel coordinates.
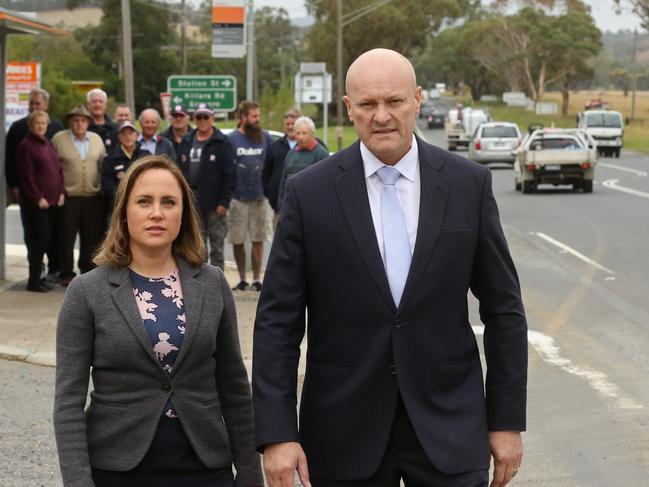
(40, 181)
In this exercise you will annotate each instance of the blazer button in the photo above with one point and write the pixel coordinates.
(399, 323)
(166, 387)
(393, 369)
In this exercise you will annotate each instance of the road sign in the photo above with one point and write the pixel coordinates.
(219, 92)
(228, 28)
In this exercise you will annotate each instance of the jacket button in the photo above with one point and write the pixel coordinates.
(393, 369)
(399, 323)
(166, 387)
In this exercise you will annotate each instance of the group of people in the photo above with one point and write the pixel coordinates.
(66, 180)
(374, 253)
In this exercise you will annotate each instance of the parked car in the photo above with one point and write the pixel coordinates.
(556, 156)
(494, 142)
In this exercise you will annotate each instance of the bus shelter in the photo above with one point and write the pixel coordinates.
(12, 23)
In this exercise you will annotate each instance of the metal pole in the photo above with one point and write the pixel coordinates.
(183, 38)
(634, 78)
(339, 74)
(128, 54)
(250, 51)
(325, 107)
(3, 147)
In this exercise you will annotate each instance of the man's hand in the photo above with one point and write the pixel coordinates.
(507, 450)
(281, 460)
(61, 200)
(221, 210)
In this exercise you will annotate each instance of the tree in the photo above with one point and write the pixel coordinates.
(152, 31)
(403, 25)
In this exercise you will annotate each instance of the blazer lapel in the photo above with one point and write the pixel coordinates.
(432, 205)
(193, 291)
(125, 301)
(352, 192)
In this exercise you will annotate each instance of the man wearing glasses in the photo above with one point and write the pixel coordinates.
(207, 161)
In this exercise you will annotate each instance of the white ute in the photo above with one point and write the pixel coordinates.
(606, 127)
(556, 156)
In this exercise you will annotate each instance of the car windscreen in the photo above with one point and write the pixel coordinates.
(566, 143)
(608, 120)
(499, 131)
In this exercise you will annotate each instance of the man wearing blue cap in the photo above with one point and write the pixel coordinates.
(179, 126)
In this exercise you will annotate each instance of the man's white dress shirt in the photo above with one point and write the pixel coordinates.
(408, 190)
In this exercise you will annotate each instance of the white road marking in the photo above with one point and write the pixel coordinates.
(573, 252)
(642, 174)
(550, 353)
(612, 184)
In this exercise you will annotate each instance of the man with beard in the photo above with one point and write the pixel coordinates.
(249, 207)
(101, 124)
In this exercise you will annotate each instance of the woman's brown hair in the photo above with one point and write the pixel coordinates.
(189, 244)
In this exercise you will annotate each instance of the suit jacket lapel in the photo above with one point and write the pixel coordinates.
(125, 301)
(193, 291)
(352, 192)
(432, 205)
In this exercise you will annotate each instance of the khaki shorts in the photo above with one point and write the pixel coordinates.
(248, 217)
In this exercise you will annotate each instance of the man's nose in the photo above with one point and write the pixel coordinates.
(382, 114)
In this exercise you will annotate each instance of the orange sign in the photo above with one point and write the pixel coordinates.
(228, 15)
(18, 72)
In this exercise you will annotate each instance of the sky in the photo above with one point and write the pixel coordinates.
(602, 11)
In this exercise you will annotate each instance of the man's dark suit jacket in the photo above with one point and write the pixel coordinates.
(363, 352)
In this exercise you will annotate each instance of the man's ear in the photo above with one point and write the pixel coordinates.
(348, 104)
(418, 98)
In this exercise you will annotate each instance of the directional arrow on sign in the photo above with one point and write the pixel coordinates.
(177, 99)
(227, 83)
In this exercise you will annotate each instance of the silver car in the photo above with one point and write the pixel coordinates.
(494, 142)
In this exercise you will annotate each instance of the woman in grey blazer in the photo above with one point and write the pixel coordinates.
(156, 328)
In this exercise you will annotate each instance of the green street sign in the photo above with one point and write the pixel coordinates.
(219, 92)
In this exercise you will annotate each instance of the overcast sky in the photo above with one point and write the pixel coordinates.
(602, 11)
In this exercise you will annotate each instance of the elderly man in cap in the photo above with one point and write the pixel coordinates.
(207, 161)
(81, 153)
(115, 164)
(100, 123)
(149, 138)
(179, 126)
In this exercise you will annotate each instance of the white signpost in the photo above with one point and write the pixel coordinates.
(228, 28)
(314, 85)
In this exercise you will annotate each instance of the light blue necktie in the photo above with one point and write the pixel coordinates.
(396, 244)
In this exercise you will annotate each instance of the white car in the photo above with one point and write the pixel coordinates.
(494, 142)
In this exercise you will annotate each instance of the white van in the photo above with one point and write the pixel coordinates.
(606, 127)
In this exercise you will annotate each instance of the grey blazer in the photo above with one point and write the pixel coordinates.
(100, 330)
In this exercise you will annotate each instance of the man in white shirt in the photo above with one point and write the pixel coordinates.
(381, 243)
(149, 139)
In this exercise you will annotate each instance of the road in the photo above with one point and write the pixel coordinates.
(582, 264)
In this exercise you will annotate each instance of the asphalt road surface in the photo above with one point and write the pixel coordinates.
(583, 269)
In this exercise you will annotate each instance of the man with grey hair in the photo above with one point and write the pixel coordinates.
(150, 139)
(101, 124)
(308, 151)
(38, 100)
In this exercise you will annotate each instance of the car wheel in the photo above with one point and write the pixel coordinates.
(617, 153)
(587, 185)
(517, 185)
(528, 187)
(451, 147)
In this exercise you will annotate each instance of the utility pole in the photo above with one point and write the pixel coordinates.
(128, 54)
(339, 75)
(183, 38)
(342, 21)
(634, 78)
(250, 50)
